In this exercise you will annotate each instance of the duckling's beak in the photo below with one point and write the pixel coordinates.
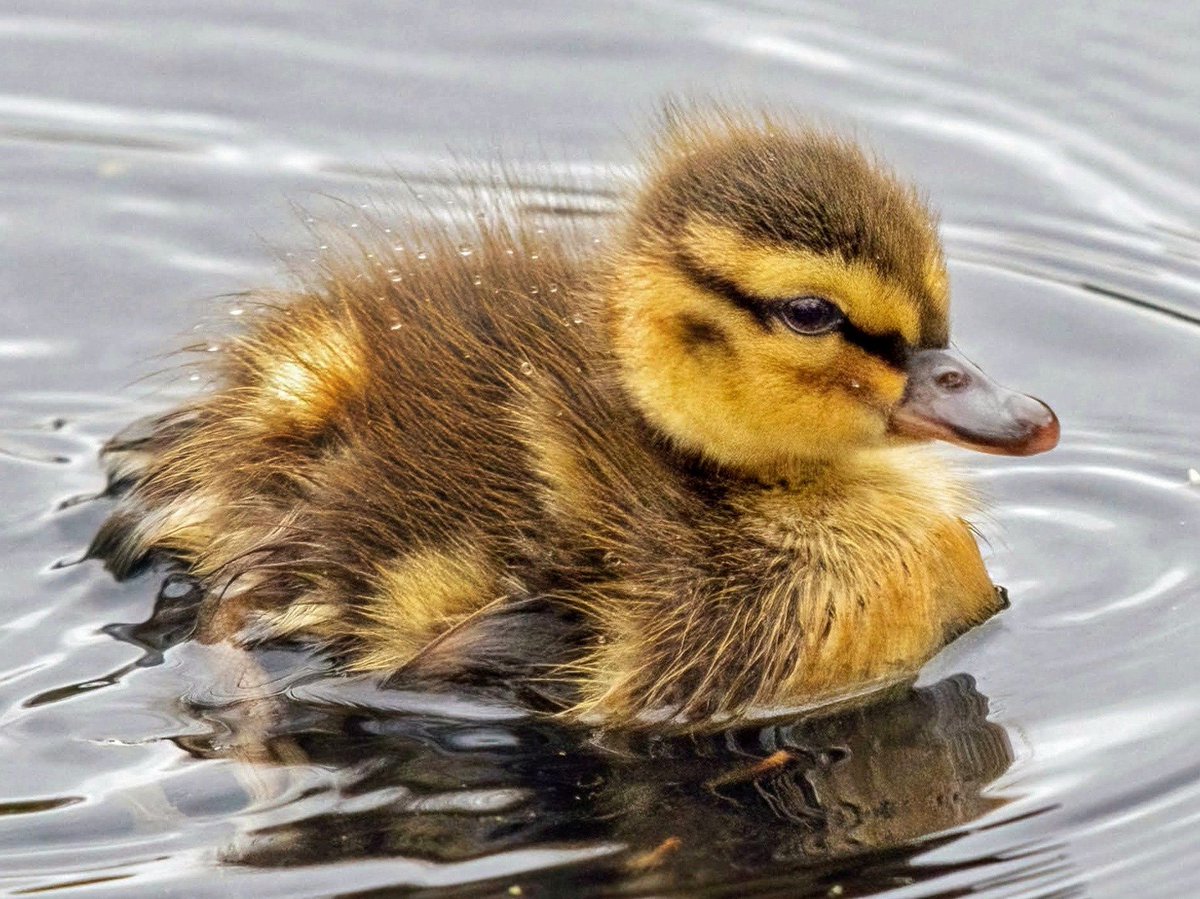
(949, 398)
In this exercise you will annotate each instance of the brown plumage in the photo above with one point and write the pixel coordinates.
(664, 479)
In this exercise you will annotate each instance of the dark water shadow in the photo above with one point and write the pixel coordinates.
(843, 802)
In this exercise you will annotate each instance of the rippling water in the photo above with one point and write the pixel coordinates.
(150, 154)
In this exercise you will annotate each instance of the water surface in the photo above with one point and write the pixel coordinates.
(152, 153)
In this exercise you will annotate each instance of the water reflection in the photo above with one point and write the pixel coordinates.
(332, 781)
(790, 797)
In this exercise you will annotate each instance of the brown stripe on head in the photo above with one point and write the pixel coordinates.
(722, 260)
(795, 188)
(698, 333)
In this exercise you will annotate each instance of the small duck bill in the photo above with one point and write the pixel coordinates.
(950, 398)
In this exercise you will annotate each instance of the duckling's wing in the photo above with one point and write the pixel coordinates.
(358, 473)
(512, 647)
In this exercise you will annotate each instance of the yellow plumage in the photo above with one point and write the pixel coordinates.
(663, 480)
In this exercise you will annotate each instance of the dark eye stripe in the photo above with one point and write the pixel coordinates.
(723, 287)
(891, 347)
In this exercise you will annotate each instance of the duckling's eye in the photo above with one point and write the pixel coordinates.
(811, 315)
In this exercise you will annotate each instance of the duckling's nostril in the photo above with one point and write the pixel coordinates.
(953, 380)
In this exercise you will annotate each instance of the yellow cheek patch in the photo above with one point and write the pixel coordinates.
(872, 302)
(418, 597)
(750, 399)
(869, 380)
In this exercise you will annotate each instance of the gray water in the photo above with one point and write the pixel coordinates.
(152, 155)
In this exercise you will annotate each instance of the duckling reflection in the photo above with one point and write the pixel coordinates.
(791, 797)
(874, 777)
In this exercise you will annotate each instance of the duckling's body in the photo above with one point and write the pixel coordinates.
(614, 479)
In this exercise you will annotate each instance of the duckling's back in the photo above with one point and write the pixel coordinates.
(664, 481)
(360, 474)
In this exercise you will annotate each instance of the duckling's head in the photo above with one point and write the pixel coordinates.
(781, 297)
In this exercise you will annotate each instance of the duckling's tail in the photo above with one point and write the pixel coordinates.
(123, 540)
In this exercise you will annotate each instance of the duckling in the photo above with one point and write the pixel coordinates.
(682, 477)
